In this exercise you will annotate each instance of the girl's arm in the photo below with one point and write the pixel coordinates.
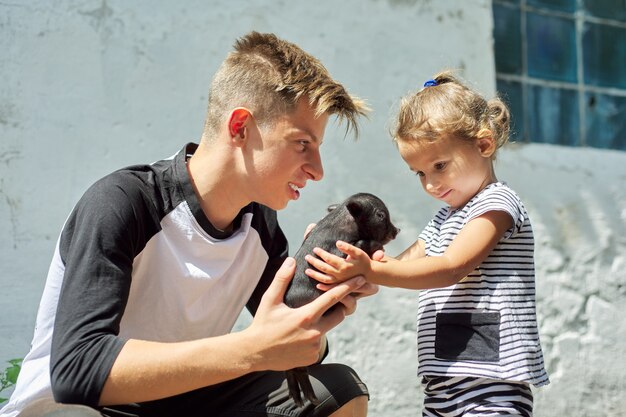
(468, 250)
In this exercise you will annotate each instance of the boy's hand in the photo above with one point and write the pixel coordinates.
(308, 229)
(349, 302)
(333, 269)
(284, 338)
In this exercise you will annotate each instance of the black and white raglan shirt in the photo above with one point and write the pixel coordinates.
(137, 258)
(484, 326)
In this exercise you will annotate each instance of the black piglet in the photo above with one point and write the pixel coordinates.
(361, 220)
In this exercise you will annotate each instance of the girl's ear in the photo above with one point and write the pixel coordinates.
(486, 143)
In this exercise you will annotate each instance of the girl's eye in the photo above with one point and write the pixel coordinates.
(304, 144)
(419, 173)
(440, 165)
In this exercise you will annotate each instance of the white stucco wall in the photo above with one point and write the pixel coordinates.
(89, 86)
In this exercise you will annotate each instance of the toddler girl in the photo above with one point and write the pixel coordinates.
(478, 343)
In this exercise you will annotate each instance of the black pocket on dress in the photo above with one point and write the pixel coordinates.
(468, 336)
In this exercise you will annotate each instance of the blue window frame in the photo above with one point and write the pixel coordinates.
(561, 67)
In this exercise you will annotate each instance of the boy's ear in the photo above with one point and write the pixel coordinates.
(238, 122)
(486, 143)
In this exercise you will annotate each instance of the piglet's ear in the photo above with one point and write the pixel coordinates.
(332, 207)
(355, 209)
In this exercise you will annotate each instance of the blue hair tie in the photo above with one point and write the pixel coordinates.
(431, 83)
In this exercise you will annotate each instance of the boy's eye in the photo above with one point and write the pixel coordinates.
(419, 173)
(440, 165)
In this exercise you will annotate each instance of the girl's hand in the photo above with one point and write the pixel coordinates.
(332, 269)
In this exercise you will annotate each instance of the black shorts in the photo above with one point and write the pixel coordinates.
(254, 395)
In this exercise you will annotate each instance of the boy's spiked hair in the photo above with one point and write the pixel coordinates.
(269, 75)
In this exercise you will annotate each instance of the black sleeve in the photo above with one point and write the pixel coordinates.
(97, 246)
(275, 243)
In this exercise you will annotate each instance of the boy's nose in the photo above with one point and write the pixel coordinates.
(314, 168)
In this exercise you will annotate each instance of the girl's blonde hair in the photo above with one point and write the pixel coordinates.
(444, 107)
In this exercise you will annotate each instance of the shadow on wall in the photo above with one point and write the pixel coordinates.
(577, 204)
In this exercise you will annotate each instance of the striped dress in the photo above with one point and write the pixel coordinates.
(484, 326)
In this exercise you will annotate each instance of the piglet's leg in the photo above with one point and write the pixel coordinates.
(368, 246)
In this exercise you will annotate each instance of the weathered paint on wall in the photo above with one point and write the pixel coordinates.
(92, 85)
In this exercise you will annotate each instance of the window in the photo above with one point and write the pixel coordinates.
(561, 67)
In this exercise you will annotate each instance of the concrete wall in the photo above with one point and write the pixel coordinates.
(90, 86)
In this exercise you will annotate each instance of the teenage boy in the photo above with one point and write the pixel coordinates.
(156, 262)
